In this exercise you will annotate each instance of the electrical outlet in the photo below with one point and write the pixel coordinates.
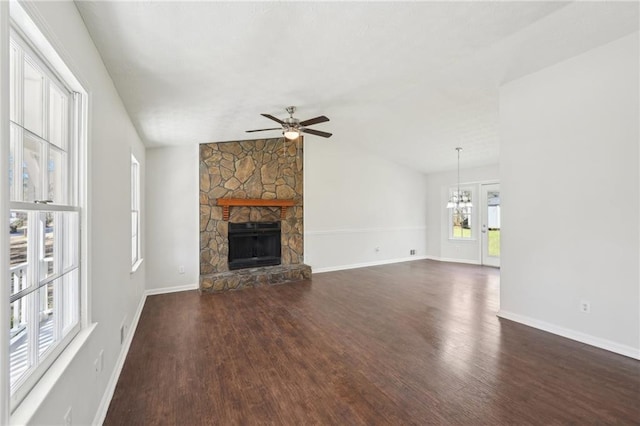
(412, 252)
(96, 368)
(101, 361)
(377, 249)
(123, 329)
(67, 417)
(181, 269)
(585, 306)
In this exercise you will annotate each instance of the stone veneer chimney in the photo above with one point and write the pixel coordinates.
(256, 169)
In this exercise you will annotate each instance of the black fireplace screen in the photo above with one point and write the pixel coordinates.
(254, 244)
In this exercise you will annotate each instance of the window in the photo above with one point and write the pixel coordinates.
(136, 258)
(44, 218)
(460, 218)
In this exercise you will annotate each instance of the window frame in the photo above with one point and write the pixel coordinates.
(24, 35)
(136, 237)
(464, 189)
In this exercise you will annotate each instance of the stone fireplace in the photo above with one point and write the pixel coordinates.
(257, 182)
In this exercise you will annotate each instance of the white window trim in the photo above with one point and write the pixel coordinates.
(474, 234)
(136, 207)
(136, 265)
(4, 213)
(23, 22)
(39, 364)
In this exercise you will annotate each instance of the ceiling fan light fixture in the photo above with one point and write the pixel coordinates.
(291, 133)
(292, 128)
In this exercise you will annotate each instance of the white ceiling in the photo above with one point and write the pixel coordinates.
(408, 80)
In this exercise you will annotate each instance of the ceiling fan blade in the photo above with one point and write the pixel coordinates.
(316, 120)
(262, 130)
(316, 132)
(271, 117)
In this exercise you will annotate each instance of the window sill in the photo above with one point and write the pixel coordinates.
(463, 240)
(31, 403)
(136, 265)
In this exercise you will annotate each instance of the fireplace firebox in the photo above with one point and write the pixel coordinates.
(253, 244)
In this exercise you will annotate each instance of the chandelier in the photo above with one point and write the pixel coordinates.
(459, 199)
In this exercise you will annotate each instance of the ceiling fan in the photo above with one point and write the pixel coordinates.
(292, 127)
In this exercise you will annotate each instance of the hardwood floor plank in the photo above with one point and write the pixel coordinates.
(412, 343)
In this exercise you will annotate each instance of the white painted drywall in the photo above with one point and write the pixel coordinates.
(439, 245)
(114, 293)
(569, 180)
(172, 217)
(355, 202)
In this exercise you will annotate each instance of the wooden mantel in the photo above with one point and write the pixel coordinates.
(226, 203)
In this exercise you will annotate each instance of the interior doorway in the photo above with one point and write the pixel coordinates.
(490, 205)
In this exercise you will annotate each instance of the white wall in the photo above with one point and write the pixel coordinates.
(354, 202)
(439, 246)
(172, 218)
(113, 292)
(570, 184)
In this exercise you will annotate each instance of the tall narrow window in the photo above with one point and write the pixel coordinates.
(136, 258)
(460, 217)
(44, 218)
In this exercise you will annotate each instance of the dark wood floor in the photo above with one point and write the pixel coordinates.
(410, 343)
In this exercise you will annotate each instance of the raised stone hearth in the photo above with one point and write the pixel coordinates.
(254, 277)
(263, 169)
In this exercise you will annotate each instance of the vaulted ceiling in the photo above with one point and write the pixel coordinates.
(408, 80)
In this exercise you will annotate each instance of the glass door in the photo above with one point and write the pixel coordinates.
(490, 196)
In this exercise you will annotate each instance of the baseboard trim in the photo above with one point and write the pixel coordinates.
(113, 380)
(366, 264)
(115, 375)
(453, 260)
(173, 289)
(608, 345)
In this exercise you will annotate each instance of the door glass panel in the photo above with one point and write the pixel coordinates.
(33, 96)
(32, 175)
(493, 223)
